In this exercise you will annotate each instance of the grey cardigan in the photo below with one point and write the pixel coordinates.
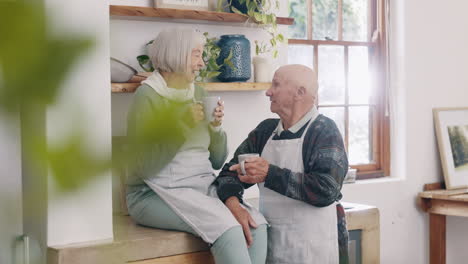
(154, 128)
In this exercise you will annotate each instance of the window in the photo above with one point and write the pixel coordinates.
(345, 42)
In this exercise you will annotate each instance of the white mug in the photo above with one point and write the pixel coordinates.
(243, 157)
(209, 105)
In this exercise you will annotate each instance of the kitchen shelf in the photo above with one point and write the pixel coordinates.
(211, 87)
(139, 13)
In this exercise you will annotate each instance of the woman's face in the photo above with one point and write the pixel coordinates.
(196, 62)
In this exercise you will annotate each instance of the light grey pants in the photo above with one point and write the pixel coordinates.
(148, 209)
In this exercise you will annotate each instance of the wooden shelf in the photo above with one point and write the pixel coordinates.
(139, 12)
(211, 87)
(235, 86)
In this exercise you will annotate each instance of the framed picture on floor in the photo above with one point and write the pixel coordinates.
(452, 136)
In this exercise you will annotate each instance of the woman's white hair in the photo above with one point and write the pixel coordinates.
(172, 49)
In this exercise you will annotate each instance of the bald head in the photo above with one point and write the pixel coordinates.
(293, 92)
(298, 76)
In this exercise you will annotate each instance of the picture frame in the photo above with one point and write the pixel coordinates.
(183, 4)
(451, 126)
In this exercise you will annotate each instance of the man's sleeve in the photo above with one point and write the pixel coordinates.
(324, 170)
(228, 184)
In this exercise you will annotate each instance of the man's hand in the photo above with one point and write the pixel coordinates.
(256, 169)
(243, 217)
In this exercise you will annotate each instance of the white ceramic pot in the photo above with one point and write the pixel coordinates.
(263, 67)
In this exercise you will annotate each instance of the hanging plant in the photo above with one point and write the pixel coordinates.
(259, 11)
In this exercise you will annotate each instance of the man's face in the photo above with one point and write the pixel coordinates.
(281, 95)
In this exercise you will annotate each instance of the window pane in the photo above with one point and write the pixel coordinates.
(337, 114)
(331, 75)
(359, 75)
(324, 19)
(360, 135)
(301, 54)
(355, 20)
(298, 11)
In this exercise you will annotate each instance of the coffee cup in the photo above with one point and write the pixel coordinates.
(209, 106)
(242, 158)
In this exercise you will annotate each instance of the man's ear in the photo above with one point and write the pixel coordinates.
(301, 91)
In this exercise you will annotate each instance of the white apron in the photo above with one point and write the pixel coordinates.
(299, 233)
(185, 184)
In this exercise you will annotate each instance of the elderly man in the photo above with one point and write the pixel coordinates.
(300, 173)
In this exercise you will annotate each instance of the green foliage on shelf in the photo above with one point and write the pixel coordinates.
(260, 11)
(211, 53)
(145, 62)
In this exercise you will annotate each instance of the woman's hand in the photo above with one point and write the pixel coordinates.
(243, 217)
(218, 114)
(197, 112)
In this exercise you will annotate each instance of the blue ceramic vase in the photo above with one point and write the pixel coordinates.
(240, 47)
(242, 7)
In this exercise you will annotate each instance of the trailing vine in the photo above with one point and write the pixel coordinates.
(259, 11)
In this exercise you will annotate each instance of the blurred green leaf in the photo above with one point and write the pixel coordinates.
(213, 74)
(258, 17)
(275, 54)
(72, 166)
(280, 38)
(33, 62)
(273, 42)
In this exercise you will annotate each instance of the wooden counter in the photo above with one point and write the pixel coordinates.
(141, 245)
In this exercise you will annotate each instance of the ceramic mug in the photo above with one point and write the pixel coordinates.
(209, 105)
(243, 157)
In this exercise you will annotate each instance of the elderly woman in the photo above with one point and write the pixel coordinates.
(171, 183)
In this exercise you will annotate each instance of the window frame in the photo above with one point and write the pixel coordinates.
(380, 120)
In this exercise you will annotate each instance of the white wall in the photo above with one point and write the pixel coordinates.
(85, 215)
(430, 62)
(11, 224)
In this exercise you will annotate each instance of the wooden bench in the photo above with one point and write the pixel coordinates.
(136, 244)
